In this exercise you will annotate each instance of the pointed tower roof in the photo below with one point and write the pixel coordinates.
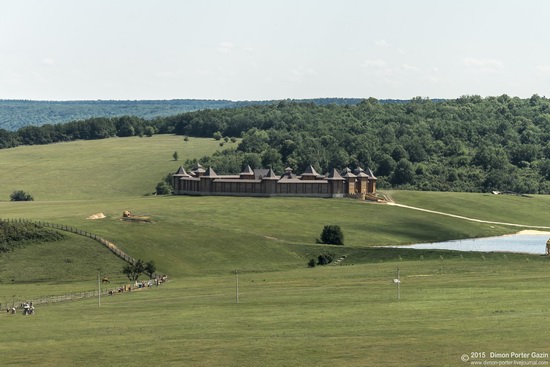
(348, 174)
(210, 173)
(270, 175)
(181, 172)
(198, 169)
(310, 171)
(334, 175)
(359, 172)
(247, 170)
(371, 175)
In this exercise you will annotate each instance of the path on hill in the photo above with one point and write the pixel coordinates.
(466, 218)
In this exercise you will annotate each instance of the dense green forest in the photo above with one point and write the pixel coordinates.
(470, 144)
(15, 114)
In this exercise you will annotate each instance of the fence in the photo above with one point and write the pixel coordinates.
(111, 246)
(45, 300)
(73, 295)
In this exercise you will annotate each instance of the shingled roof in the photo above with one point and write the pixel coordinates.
(270, 175)
(310, 171)
(371, 175)
(181, 172)
(334, 175)
(359, 172)
(210, 173)
(247, 170)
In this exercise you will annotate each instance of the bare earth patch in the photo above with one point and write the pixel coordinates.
(97, 216)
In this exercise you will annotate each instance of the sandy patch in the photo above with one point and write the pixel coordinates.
(534, 232)
(97, 216)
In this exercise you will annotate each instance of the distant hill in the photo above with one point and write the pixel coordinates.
(15, 114)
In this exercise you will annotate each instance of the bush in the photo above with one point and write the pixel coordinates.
(333, 235)
(163, 188)
(311, 263)
(18, 235)
(324, 259)
(20, 195)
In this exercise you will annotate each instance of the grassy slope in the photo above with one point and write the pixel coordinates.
(96, 169)
(451, 304)
(345, 316)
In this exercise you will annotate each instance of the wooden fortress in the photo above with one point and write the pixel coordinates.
(264, 182)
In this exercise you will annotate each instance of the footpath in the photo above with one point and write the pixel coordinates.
(467, 218)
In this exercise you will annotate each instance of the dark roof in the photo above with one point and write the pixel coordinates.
(371, 175)
(259, 173)
(225, 179)
(348, 175)
(210, 173)
(310, 171)
(270, 175)
(247, 170)
(181, 172)
(334, 175)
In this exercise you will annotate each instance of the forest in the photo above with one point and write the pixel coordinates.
(15, 114)
(469, 144)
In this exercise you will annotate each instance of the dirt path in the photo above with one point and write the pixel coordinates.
(467, 218)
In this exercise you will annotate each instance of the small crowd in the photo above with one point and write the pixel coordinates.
(28, 309)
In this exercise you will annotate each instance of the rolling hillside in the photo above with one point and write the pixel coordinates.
(212, 235)
(286, 313)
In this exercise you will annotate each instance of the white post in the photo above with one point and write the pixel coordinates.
(237, 286)
(99, 289)
(398, 284)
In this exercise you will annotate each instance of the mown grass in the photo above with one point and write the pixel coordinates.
(345, 316)
(97, 169)
(451, 303)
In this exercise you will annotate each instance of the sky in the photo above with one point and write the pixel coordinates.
(272, 49)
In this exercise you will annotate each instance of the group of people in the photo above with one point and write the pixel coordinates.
(28, 309)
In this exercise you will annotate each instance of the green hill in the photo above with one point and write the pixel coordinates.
(116, 167)
(212, 235)
(287, 314)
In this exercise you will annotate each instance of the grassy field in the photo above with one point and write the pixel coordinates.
(345, 316)
(451, 303)
(116, 167)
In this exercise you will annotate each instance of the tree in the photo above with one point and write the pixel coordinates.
(217, 135)
(175, 155)
(324, 259)
(149, 131)
(20, 195)
(150, 268)
(404, 172)
(332, 234)
(163, 188)
(133, 271)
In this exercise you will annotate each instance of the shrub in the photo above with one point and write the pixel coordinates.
(18, 235)
(324, 259)
(333, 235)
(311, 263)
(20, 195)
(163, 188)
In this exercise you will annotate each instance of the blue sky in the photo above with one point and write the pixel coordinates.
(272, 49)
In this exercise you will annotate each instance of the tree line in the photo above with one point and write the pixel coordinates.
(470, 144)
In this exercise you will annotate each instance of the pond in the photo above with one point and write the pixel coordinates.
(529, 242)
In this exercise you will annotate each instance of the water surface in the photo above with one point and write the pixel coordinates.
(521, 243)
